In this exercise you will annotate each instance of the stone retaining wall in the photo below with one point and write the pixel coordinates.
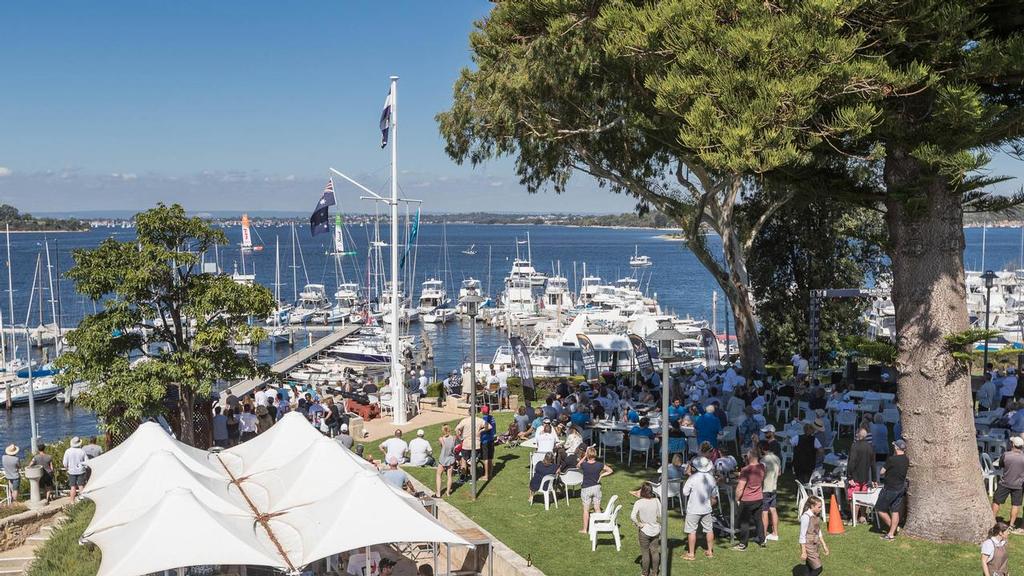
(15, 529)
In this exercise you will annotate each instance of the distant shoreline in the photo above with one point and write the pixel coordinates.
(49, 231)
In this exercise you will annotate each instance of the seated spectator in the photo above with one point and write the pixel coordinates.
(543, 468)
(546, 438)
(420, 451)
(396, 477)
(580, 417)
(708, 426)
(642, 428)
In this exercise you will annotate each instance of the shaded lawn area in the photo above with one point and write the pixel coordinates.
(552, 540)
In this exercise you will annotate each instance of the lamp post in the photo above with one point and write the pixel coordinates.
(472, 301)
(989, 278)
(665, 336)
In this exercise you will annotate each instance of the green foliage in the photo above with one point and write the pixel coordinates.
(880, 350)
(163, 322)
(62, 554)
(961, 344)
(18, 221)
(809, 246)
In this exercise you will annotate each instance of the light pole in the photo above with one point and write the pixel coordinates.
(989, 278)
(665, 336)
(471, 301)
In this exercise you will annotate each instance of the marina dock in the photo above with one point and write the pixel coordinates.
(292, 361)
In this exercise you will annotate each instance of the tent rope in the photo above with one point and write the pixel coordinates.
(262, 518)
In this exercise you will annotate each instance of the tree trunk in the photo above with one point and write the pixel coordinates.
(747, 339)
(186, 414)
(946, 498)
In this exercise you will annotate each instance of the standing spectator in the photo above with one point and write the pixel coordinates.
(805, 453)
(708, 426)
(646, 516)
(995, 558)
(74, 463)
(487, 441)
(394, 446)
(769, 508)
(260, 397)
(1011, 483)
(750, 497)
(263, 419)
(590, 492)
(894, 487)
(420, 451)
(880, 438)
(748, 430)
(234, 427)
(989, 395)
(471, 444)
(701, 492)
(445, 460)
(12, 470)
(45, 462)
(247, 423)
(220, 428)
(860, 466)
(1008, 387)
(811, 536)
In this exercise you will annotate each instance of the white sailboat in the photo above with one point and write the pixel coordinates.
(471, 251)
(639, 260)
(247, 245)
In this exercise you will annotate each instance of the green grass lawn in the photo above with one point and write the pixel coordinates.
(62, 555)
(552, 540)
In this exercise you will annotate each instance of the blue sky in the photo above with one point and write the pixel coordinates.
(236, 105)
(232, 105)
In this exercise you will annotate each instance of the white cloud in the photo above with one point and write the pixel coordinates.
(4, 171)
(496, 183)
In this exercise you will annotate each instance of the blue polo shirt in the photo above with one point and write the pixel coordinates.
(676, 412)
(487, 436)
(580, 419)
(708, 427)
(640, 431)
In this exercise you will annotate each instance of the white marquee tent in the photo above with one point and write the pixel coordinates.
(284, 499)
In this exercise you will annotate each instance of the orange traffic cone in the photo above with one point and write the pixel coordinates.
(835, 519)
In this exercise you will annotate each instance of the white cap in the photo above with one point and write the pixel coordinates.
(420, 432)
(1017, 441)
(344, 427)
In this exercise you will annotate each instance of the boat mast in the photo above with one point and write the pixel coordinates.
(397, 386)
(10, 294)
(28, 353)
(295, 269)
(53, 302)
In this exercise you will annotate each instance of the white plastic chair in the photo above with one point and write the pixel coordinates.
(571, 478)
(803, 408)
(864, 500)
(785, 454)
(846, 419)
(535, 457)
(612, 439)
(728, 434)
(783, 405)
(674, 491)
(547, 488)
(803, 493)
(607, 510)
(608, 524)
(989, 473)
(639, 444)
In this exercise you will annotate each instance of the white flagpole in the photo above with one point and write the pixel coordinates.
(397, 381)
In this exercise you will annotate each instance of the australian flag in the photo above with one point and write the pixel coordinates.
(318, 221)
(385, 121)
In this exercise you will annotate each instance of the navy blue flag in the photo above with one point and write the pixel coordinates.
(641, 353)
(385, 121)
(318, 221)
(710, 344)
(522, 361)
(587, 348)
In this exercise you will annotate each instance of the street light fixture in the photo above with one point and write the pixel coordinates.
(471, 301)
(989, 277)
(666, 336)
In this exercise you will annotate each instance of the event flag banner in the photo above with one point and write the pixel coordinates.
(587, 348)
(642, 354)
(522, 358)
(710, 343)
(318, 221)
(411, 240)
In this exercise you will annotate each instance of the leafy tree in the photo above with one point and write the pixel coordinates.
(164, 323)
(922, 92)
(809, 246)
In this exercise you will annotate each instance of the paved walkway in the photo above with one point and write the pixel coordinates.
(380, 428)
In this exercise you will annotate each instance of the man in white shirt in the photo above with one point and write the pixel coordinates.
(701, 492)
(423, 382)
(502, 389)
(546, 438)
(260, 398)
(74, 462)
(803, 369)
(420, 451)
(394, 446)
(989, 395)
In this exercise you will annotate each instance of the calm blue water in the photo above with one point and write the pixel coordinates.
(681, 284)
